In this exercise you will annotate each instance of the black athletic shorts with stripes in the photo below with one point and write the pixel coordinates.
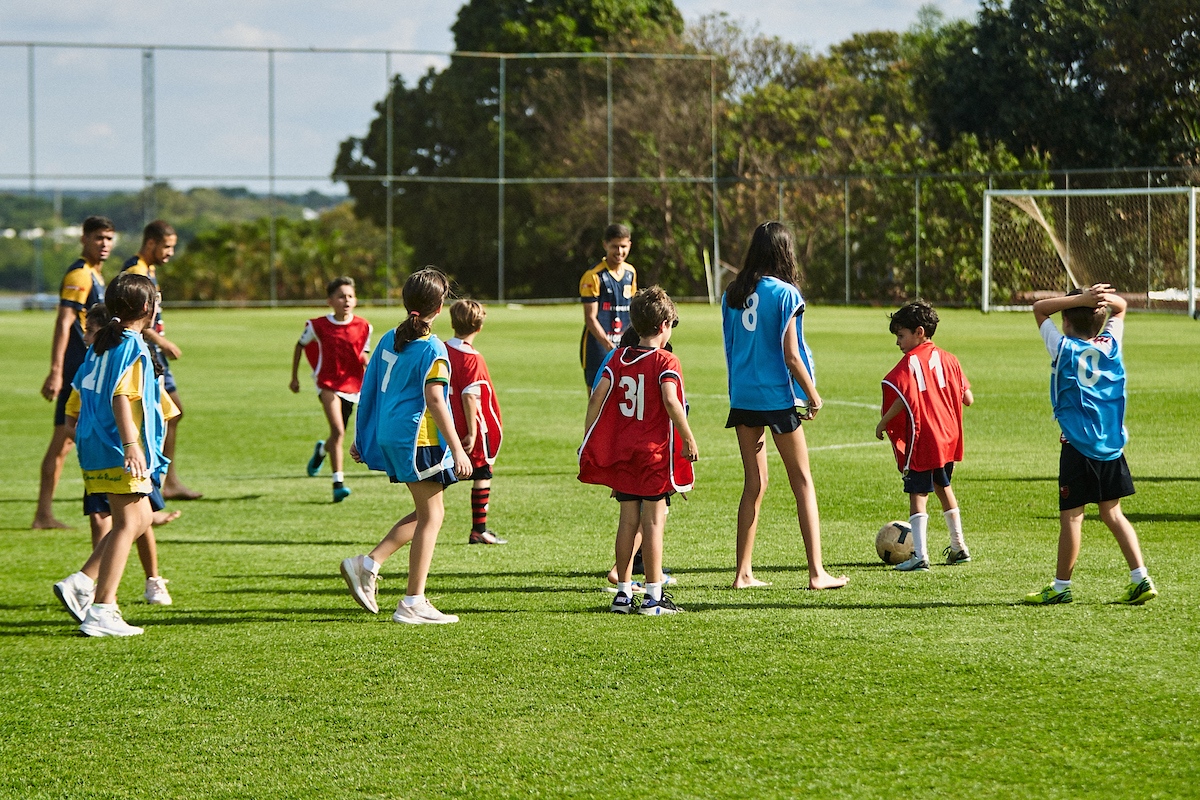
(1083, 480)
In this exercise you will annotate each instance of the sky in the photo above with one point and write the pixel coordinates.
(211, 120)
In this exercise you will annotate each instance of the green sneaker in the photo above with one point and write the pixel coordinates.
(1137, 593)
(1048, 596)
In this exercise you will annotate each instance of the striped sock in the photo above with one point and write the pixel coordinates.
(479, 509)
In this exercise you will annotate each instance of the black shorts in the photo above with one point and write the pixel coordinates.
(98, 503)
(923, 482)
(60, 405)
(625, 498)
(1083, 480)
(347, 410)
(784, 421)
(483, 473)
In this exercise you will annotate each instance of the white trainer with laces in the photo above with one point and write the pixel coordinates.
(361, 582)
(76, 592)
(156, 592)
(107, 622)
(914, 564)
(423, 613)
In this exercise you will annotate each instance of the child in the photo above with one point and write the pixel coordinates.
(637, 442)
(336, 345)
(923, 397)
(605, 290)
(77, 590)
(476, 412)
(405, 429)
(1087, 390)
(119, 434)
(771, 385)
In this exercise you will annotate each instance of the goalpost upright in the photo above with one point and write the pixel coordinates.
(1044, 240)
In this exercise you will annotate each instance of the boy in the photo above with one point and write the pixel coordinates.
(1087, 390)
(605, 290)
(158, 245)
(923, 398)
(637, 442)
(82, 287)
(337, 345)
(476, 412)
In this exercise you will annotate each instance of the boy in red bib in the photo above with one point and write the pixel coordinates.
(476, 412)
(337, 347)
(638, 443)
(923, 398)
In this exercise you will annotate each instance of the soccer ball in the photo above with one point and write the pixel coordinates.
(894, 542)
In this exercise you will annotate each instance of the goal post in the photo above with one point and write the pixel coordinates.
(1043, 242)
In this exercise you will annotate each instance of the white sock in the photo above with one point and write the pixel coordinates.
(1061, 586)
(371, 566)
(411, 600)
(953, 519)
(85, 577)
(1138, 575)
(104, 606)
(654, 591)
(625, 588)
(338, 477)
(920, 525)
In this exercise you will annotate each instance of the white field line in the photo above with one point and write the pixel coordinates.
(582, 394)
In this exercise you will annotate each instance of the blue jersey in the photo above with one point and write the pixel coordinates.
(758, 375)
(1087, 390)
(96, 434)
(392, 405)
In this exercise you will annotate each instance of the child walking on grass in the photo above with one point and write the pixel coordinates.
(336, 346)
(638, 443)
(119, 435)
(1087, 390)
(405, 429)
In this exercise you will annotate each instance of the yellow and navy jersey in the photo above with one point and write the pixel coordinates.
(427, 434)
(611, 290)
(130, 385)
(82, 287)
(138, 266)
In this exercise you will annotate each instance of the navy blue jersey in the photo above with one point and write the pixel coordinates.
(611, 291)
(82, 287)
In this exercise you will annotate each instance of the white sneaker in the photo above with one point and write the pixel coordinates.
(107, 622)
(423, 613)
(361, 582)
(76, 592)
(914, 564)
(156, 592)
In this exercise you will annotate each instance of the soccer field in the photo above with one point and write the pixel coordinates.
(264, 679)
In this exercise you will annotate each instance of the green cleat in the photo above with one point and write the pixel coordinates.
(1137, 593)
(1048, 596)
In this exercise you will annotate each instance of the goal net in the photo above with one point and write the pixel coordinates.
(1043, 242)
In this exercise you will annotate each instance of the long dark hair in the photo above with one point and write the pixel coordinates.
(771, 254)
(424, 292)
(129, 297)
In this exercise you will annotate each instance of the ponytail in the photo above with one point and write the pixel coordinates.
(129, 298)
(424, 292)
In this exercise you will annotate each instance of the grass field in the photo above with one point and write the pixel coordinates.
(266, 680)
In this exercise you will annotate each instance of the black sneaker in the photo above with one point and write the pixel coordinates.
(622, 604)
(318, 457)
(653, 608)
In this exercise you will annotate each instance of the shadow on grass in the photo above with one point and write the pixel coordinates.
(260, 542)
(245, 498)
(1139, 517)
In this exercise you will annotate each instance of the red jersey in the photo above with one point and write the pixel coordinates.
(469, 375)
(633, 446)
(928, 434)
(335, 350)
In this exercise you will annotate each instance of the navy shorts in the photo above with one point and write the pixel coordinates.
(483, 473)
(783, 421)
(98, 503)
(429, 456)
(168, 378)
(1083, 480)
(923, 482)
(625, 498)
(60, 405)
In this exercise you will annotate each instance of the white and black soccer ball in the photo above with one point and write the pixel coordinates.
(894, 542)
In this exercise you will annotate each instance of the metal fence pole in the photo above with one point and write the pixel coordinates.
(716, 219)
(500, 192)
(780, 200)
(609, 112)
(148, 148)
(36, 276)
(846, 232)
(985, 301)
(1192, 253)
(917, 233)
(271, 170)
(388, 266)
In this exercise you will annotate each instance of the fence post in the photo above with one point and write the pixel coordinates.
(609, 122)
(36, 277)
(716, 218)
(1192, 253)
(148, 160)
(985, 300)
(917, 233)
(271, 170)
(846, 231)
(391, 168)
(500, 194)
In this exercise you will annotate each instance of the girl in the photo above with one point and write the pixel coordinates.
(405, 429)
(120, 436)
(771, 385)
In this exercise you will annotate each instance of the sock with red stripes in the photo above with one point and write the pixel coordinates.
(479, 509)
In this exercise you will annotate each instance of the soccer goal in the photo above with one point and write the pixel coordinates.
(1042, 242)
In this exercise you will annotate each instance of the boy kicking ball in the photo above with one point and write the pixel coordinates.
(1087, 388)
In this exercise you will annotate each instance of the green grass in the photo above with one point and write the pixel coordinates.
(266, 680)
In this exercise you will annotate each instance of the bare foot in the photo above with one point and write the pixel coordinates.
(749, 583)
(827, 581)
(180, 492)
(163, 517)
(612, 576)
(46, 524)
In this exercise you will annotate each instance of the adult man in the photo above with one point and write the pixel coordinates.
(158, 245)
(82, 286)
